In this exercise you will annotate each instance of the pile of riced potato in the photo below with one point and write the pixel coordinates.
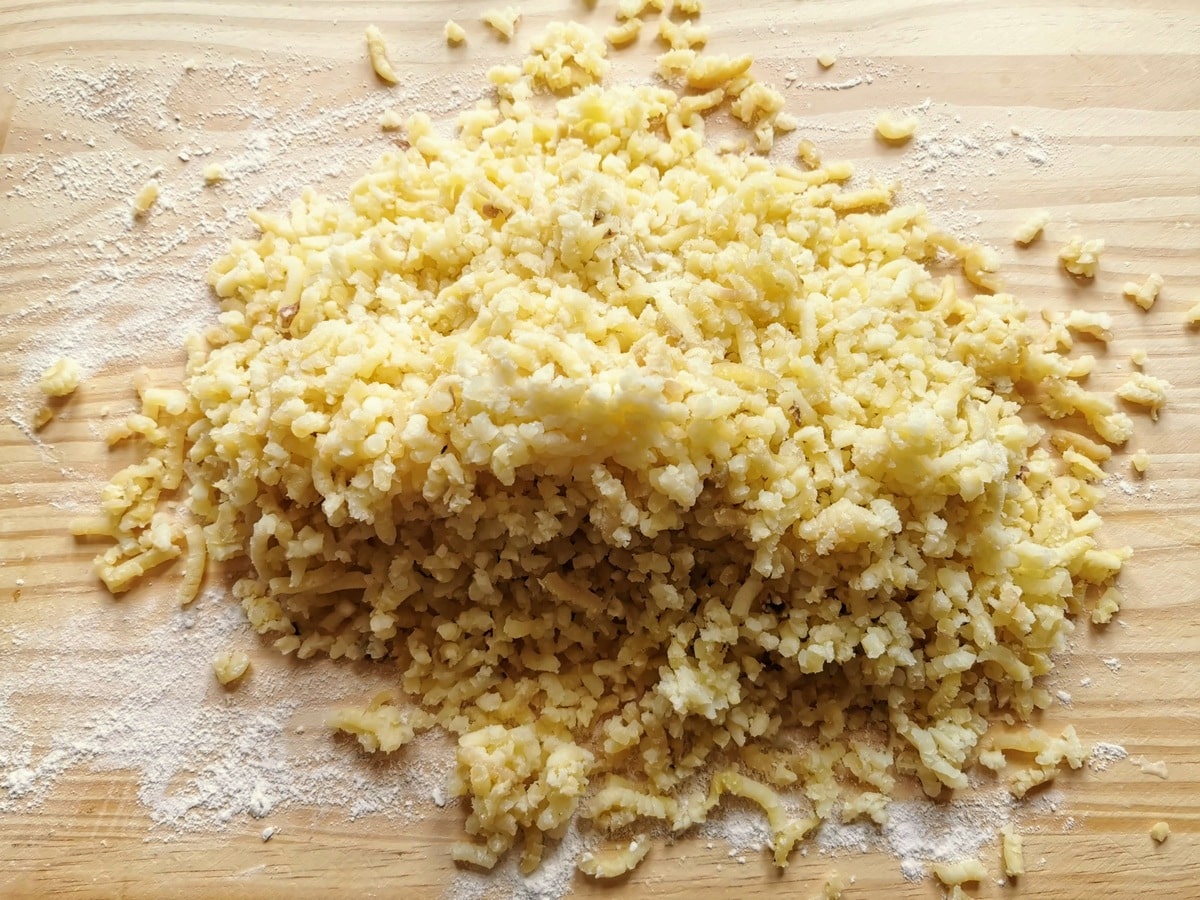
(660, 473)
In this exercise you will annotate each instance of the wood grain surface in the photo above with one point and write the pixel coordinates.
(1087, 108)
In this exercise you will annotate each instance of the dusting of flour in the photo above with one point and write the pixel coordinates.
(203, 756)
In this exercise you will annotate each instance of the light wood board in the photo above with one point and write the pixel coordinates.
(1103, 95)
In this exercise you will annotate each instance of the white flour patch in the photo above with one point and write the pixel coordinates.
(952, 166)
(202, 756)
(553, 880)
(1104, 755)
(1047, 802)
(852, 837)
(1142, 490)
(743, 828)
(919, 831)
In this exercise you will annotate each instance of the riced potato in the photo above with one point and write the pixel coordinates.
(230, 665)
(1012, 852)
(145, 198)
(633, 457)
(959, 872)
(1146, 293)
(1031, 229)
(896, 129)
(503, 20)
(454, 33)
(1145, 390)
(377, 52)
(1081, 257)
(391, 120)
(61, 378)
(624, 33)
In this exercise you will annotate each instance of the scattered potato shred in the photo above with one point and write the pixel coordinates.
(230, 665)
(661, 474)
(896, 129)
(61, 378)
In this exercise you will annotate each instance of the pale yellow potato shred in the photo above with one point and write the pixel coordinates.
(1146, 293)
(1081, 257)
(377, 52)
(145, 198)
(963, 871)
(638, 460)
(1031, 229)
(61, 378)
(895, 128)
(230, 665)
(1012, 851)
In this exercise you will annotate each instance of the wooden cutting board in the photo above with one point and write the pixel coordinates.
(1087, 108)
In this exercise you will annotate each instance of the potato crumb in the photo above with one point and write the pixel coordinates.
(1031, 229)
(1108, 605)
(1145, 390)
(61, 378)
(391, 120)
(230, 665)
(1144, 295)
(807, 153)
(377, 52)
(636, 9)
(963, 871)
(827, 59)
(42, 418)
(1140, 461)
(381, 726)
(980, 265)
(1137, 356)
(993, 760)
(1012, 853)
(682, 35)
(145, 198)
(1063, 440)
(708, 72)
(687, 7)
(1080, 257)
(1160, 831)
(214, 173)
(1093, 324)
(625, 33)
(835, 884)
(1193, 315)
(895, 130)
(614, 864)
(503, 20)
(455, 33)
(1049, 754)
